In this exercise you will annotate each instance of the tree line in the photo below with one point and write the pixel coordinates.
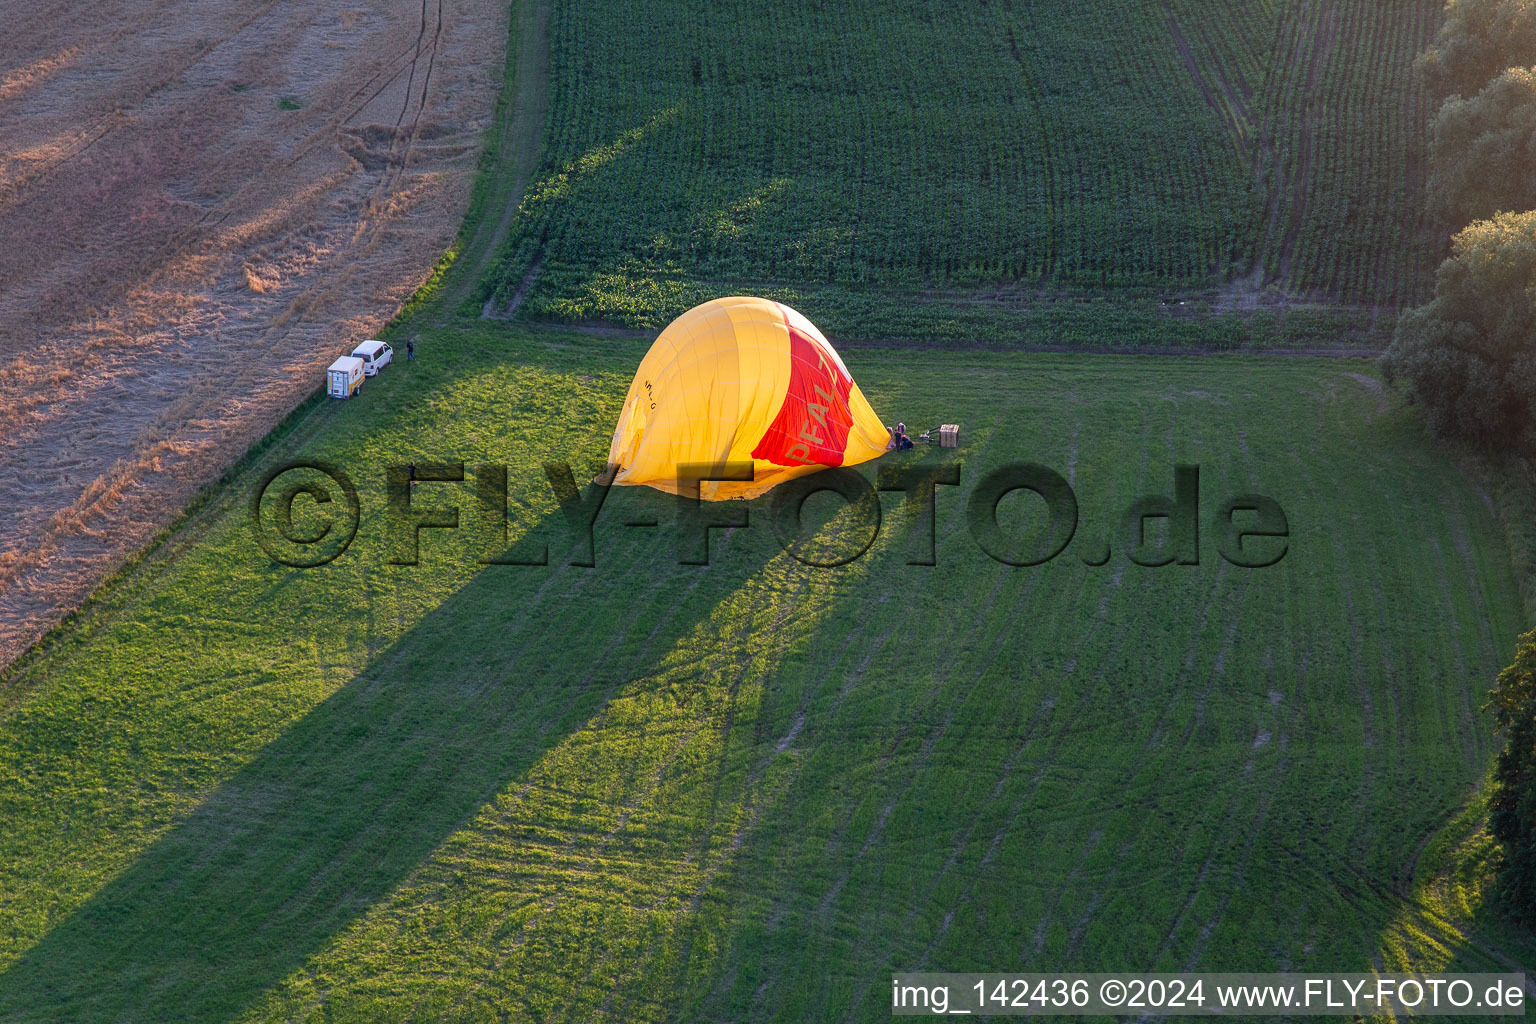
(1468, 358)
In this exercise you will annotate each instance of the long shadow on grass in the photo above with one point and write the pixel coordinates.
(330, 817)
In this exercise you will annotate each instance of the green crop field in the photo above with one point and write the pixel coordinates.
(964, 172)
(750, 790)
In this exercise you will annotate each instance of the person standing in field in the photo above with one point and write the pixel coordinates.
(410, 351)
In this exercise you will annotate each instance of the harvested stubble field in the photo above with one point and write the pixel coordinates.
(202, 204)
(647, 791)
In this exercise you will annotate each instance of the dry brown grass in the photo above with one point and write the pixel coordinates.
(180, 256)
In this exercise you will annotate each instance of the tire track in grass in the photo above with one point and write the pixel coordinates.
(954, 623)
(1103, 607)
(911, 773)
(1387, 639)
(1371, 898)
(1265, 800)
(1042, 927)
(877, 832)
(1155, 734)
(1354, 618)
(853, 677)
(1153, 741)
(1041, 715)
(784, 744)
(1353, 639)
(1459, 654)
(1047, 763)
(165, 816)
(1219, 669)
(1235, 884)
(455, 721)
(754, 806)
(526, 610)
(1395, 652)
(562, 573)
(730, 716)
(1225, 821)
(469, 709)
(1473, 738)
(1228, 818)
(442, 859)
(551, 903)
(753, 800)
(519, 142)
(771, 592)
(1461, 543)
(1096, 898)
(754, 776)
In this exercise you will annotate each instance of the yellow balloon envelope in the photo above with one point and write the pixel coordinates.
(742, 380)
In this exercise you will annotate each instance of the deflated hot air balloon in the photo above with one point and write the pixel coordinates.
(742, 380)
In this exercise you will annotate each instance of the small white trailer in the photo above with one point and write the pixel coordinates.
(344, 378)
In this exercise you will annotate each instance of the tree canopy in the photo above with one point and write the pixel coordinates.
(1512, 817)
(1478, 40)
(1468, 358)
(1483, 151)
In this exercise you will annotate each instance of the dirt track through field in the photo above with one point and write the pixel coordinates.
(201, 205)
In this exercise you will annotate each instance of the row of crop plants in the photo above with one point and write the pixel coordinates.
(1141, 144)
(1343, 119)
(802, 145)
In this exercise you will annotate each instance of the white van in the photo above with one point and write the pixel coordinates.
(344, 378)
(375, 356)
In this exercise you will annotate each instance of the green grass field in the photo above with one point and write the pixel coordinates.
(750, 790)
(967, 172)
